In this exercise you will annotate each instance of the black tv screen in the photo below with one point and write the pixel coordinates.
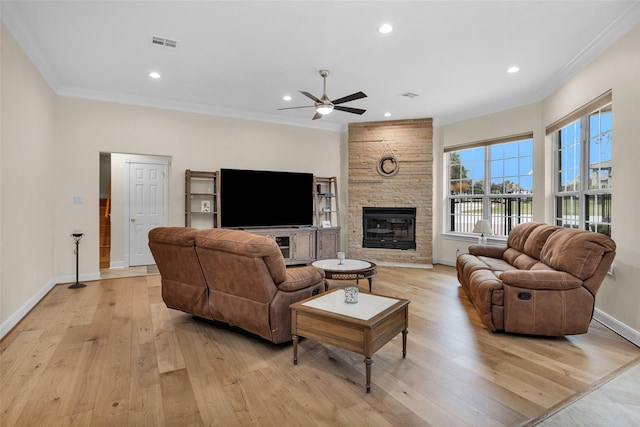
(252, 198)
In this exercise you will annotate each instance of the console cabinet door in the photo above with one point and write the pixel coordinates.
(328, 243)
(304, 246)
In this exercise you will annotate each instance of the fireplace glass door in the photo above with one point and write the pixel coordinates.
(391, 228)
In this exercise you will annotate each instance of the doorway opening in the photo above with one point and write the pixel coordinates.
(134, 199)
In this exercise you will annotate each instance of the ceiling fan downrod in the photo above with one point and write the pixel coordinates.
(325, 106)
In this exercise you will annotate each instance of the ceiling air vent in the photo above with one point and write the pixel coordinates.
(409, 94)
(161, 41)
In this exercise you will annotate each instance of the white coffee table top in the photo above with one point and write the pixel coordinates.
(368, 305)
(347, 264)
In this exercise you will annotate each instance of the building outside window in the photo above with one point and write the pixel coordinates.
(491, 180)
(583, 167)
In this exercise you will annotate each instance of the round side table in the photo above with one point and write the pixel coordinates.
(350, 269)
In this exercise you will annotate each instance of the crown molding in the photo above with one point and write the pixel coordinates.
(25, 41)
(607, 37)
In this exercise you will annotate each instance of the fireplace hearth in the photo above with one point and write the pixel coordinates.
(389, 228)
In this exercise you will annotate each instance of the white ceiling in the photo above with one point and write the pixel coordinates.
(238, 58)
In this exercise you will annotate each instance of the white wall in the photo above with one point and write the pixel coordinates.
(511, 122)
(618, 68)
(86, 128)
(27, 185)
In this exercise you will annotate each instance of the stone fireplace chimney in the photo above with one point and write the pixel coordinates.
(391, 166)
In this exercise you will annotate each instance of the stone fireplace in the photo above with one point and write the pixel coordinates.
(391, 167)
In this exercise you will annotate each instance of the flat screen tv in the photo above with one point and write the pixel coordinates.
(252, 198)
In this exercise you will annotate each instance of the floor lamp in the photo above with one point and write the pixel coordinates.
(76, 238)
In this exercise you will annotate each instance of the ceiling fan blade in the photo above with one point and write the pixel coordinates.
(308, 95)
(352, 97)
(317, 116)
(349, 109)
(294, 108)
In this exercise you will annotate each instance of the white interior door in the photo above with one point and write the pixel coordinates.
(147, 208)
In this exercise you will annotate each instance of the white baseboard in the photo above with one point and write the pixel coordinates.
(617, 326)
(445, 262)
(16, 317)
(81, 278)
(117, 264)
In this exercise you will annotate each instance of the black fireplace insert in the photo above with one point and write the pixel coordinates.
(389, 228)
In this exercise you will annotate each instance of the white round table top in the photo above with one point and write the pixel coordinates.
(347, 264)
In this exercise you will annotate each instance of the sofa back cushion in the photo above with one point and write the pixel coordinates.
(578, 252)
(520, 234)
(173, 249)
(240, 263)
(537, 238)
(525, 243)
(183, 284)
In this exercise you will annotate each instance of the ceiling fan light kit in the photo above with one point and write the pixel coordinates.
(325, 105)
(324, 109)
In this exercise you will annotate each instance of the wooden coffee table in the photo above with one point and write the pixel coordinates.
(363, 327)
(350, 269)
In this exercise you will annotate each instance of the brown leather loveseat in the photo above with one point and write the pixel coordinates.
(231, 276)
(543, 283)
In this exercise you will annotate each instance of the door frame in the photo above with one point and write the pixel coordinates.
(127, 207)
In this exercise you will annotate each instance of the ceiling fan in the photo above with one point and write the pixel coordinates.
(325, 106)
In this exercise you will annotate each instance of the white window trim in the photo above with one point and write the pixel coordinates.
(486, 196)
(581, 114)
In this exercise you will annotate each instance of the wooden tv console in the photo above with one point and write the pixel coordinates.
(303, 245)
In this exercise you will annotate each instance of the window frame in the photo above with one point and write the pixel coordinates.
(501, 223)
(583, 192)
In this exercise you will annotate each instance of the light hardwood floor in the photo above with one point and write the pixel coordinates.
(113, 354)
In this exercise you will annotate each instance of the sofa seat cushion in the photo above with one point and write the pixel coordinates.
(518, 259)
(467, 264)
(496, 265)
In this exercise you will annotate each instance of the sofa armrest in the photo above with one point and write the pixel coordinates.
(301, 277)
(540, 279)
(486, 250)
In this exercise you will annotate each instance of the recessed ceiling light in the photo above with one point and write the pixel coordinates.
(287, 97)
(385, 28)
(154, 75)
(387, 114)
(513, 69)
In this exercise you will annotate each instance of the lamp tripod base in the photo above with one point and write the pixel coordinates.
(77, 285)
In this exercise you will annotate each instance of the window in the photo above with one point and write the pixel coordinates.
(494, 181)
(583, 168)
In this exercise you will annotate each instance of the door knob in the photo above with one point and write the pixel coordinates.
(133, 219)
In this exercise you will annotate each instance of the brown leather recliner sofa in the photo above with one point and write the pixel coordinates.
(543, 282)
(231, 276)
